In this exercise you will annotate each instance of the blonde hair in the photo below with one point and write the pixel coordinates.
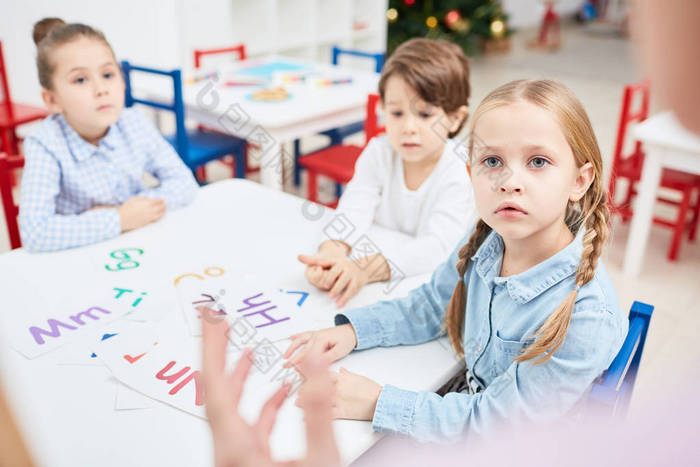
(590, 212)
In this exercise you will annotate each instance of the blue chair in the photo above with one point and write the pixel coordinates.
(337, 135)
(614, 392)
(195, 147)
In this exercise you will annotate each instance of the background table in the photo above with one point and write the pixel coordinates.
(309, 110)
(666, 145)
(66, 412)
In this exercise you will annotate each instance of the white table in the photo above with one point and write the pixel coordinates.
(66, 412)
(309, 110)
(667, 145)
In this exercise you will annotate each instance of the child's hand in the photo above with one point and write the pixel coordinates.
(338, 275)
(355, 396)
(328, 344)
(316, 273)
(139, 211)
(343, 276)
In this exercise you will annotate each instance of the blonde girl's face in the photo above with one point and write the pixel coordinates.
(88, 88)
(523, 170)
(417, 130)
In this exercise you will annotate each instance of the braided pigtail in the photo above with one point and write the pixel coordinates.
(454, 317)
(552, 333)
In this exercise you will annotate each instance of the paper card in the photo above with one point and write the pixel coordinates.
(131, 258)
(83, 351)
(128, 399)
(271, 313)
(41, 329)
(170, 372)
(218, 293)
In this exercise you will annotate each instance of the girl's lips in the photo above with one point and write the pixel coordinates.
(510, 213)
(410, 145)
(104, 107)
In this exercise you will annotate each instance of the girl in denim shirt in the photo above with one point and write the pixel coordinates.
(522, 298)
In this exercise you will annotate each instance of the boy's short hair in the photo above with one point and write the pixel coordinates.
(437, 70)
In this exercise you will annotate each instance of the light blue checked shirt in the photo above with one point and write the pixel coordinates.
(501, 314)
(65, 176)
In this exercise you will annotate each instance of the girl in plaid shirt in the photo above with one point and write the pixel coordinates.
(83, 177)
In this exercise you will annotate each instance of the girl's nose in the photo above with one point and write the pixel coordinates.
(509, 182)
(100, 88)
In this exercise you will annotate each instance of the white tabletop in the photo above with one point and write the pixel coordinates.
(667, 145)
(309, 110)
(664, 129)
(210, 97)
(67, 412)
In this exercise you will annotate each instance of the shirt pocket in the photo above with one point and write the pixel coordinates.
(505, 351)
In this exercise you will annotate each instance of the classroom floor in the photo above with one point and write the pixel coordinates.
(595, 67)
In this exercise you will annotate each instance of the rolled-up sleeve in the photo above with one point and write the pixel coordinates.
(525, 392)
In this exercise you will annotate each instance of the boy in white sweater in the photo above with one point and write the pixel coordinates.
(411, 181)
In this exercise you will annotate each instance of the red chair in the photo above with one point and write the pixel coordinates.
(13, 114)
(7, 165)
(630, 167)
(230, 161)
(338, 162)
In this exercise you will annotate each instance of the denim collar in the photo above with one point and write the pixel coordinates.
(80, 148)
(528, 284)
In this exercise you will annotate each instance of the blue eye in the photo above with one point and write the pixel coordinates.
(79, 80)
(539, 162)
(491, 162)
(108, 75)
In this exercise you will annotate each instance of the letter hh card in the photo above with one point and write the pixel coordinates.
(270, 312)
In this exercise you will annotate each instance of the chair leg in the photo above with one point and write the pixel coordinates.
(612, 184)
(297, 167)
(681, 222)
(245, 159)
(696, 216)
(239, 164)
(627, 203)
(8, 144)
(201, 173)
(312, 186)
(338, 190)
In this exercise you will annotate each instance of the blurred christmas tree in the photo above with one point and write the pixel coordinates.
(472, 24)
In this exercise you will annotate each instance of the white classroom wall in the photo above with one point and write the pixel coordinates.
(163, 33)
(144, 32)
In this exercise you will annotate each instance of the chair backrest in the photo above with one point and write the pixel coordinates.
(614, 392)
(627, 116)
(371, 125)
(5, 99)
(7, 165)
(377, 57)
(177, 106)
(237, 49)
